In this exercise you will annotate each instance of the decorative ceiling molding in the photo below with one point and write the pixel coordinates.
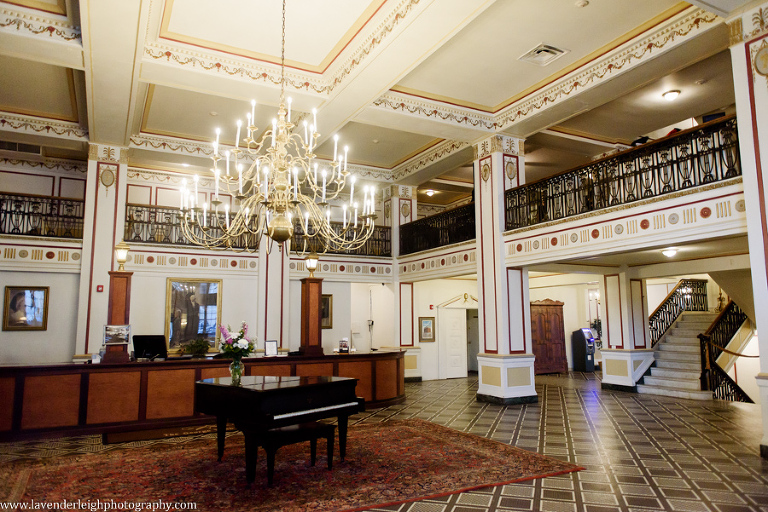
(51, 164)
(343, 66)
(169, 177)
(434, 154)
(664, 37)
(751, 24)
(58, 129)
(422, 107)
(14, 21)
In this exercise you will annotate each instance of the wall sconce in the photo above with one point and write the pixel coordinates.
(121, 255)
(311, 263)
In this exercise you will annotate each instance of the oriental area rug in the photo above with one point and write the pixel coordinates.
(386, 464)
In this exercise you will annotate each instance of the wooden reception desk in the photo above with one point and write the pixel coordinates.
(72, 399)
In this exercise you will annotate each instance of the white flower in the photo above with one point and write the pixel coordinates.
(242, 344)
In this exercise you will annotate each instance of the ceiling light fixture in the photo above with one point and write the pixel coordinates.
(285, 188)
(671, 95)
(429, 192)
(669, 252)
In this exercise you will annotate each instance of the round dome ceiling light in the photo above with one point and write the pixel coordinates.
(671, 95)
(669, 252)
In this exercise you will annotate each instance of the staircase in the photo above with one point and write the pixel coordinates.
(678, 359)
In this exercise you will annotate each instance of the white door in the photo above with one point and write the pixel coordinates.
(473, 339)
(452, 342)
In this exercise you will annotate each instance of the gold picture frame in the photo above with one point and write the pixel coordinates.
(25, 308)
(326, 312)
(426, 329)
(192, 311)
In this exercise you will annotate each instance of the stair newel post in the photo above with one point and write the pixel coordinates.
(705, 367)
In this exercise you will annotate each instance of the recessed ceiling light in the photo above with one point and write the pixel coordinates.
(671, 95)
(185, 165)
(214, 114)
(429, 192)
(669, 252)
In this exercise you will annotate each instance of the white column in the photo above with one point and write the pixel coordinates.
(274, 293)
(749, 58)
(103, 228)
(505, 361)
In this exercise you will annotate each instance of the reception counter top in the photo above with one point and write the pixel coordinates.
(71, 399)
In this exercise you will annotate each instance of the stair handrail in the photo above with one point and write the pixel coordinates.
(713, 377)
(687, 295)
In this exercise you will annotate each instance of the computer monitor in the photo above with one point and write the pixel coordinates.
(150, 346)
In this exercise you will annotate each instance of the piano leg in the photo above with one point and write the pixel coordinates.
(343, 436)
(221, 434)
(330, 451)
(252, 456)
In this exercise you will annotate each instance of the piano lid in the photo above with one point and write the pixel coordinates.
(266, 383)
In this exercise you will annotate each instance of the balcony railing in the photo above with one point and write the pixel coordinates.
(701, 155)
(449, 227)
(379, 244)
(688, 295)
(57, 217)
(154, 224)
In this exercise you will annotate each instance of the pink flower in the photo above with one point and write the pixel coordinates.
(224, 332)
(245, 329)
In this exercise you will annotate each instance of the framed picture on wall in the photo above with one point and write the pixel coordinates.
(326, 312)
(25, 308)
(426, 328)
(117, 334)
(192, 311)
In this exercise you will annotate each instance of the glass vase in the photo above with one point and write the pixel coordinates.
(236, 371)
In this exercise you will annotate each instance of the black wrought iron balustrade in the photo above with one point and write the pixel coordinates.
(717, 338)
(705, 154)
(379, 244)
(688, 295)
(154, 224)
(57, 217)
(449, 227)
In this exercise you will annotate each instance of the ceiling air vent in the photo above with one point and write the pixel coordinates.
(543, 54)
(19, 147)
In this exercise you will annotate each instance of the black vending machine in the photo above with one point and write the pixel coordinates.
(583, 347)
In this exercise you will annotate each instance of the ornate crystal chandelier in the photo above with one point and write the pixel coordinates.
(283, 189)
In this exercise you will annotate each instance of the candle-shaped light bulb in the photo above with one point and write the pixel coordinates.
(227, 154)
(196, 178)
(324, 176)
(314, 120)
(237, 137)
(248, 126)
(218, 132)
(240, 178)
(290, 100)
(352, 192)
(216, 181)
(306, 138)
(355, 215)
(295, 182)
(306, 223)
(335, 146)
(205, 215)
(226, 214)
(253, 111)
(344, 212)
(266, 180)
(346, 158)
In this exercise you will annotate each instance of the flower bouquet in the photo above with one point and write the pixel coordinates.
(236, 346)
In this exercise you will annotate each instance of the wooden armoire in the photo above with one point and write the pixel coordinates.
(548, 337)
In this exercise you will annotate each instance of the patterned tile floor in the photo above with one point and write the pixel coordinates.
(641, 452)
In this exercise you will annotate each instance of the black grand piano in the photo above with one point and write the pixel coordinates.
(262, 403)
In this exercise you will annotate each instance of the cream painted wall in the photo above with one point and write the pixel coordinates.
(239, 302)
(380, 300)
(575, 307)
(746, 369)
(57, 343)
(426, 293)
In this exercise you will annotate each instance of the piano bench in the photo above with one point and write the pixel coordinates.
(275, 438)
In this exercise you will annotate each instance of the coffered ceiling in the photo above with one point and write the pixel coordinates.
(408, 85)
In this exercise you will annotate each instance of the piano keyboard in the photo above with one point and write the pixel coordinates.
(312, 411)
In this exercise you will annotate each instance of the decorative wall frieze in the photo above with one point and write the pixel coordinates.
(34, 25)
(453, 260)
(427, 210)
(735, 32)
(339, 268)
(137, 174)
(26, 253)
(432, 155)
(162, 259)
(27, 124)
(642, 224)
(754, 23)
(110, 154)
(431, 109)
(50, 164)
(497, 144)
(170, 145)
(663, 37)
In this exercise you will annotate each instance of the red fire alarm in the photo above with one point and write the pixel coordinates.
(100, 288)
(431, 306)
